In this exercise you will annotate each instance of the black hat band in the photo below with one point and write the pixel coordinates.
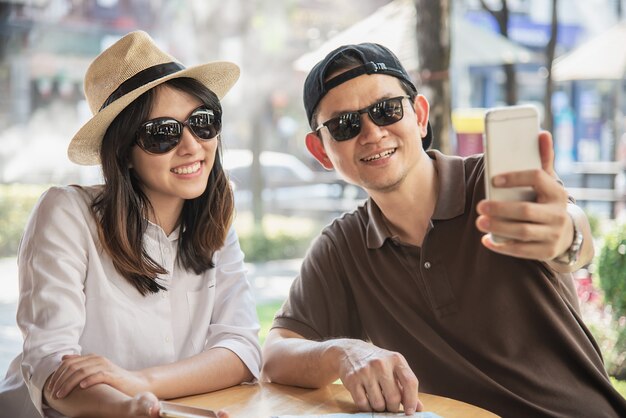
(142, 78)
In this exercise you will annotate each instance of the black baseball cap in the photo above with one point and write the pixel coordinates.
(376, 59)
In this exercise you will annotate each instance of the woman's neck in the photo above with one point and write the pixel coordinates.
(166, 214)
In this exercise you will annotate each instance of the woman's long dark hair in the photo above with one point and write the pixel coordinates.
(121, 208)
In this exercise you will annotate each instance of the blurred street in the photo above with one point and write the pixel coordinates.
(270, 282)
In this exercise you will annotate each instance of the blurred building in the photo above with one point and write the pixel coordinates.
(46, 48)
(584, 111)
(46, 45)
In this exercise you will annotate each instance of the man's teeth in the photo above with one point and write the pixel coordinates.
(187, 170)
(379, 156)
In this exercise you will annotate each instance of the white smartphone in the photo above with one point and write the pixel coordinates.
(174, 410)
(510, 144)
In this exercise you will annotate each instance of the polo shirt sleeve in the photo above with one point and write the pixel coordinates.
(320, 303)
(234, 324)
(52, 261)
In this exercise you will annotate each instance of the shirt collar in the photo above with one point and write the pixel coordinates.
(450, 200)
(154, 231)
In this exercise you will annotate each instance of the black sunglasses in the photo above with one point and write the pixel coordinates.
(161, 135)
(348, 125)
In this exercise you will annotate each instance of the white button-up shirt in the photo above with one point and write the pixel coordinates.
(73, 301)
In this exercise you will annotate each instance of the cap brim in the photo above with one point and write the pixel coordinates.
(84, 148)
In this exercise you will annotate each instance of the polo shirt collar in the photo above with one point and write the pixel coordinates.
(450, 200)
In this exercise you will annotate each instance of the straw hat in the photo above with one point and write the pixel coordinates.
(123, 72)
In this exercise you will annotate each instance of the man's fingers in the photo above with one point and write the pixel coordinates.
(524, 231)
(524, 178)
(546, 151)
(392, 393)
(379, 379)
(360, 398)
(490, 211)
(410, 386)
(529, 250)
(375, 395)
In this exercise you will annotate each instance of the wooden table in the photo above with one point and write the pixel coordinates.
(263, 400)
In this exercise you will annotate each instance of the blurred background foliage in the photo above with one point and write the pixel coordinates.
(16, 202)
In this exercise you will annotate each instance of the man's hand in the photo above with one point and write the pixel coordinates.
(540, 230)
(377, 379)
(86, 371)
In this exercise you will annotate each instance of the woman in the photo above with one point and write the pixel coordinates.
(135, 290)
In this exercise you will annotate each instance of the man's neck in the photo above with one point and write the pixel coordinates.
(409, 209)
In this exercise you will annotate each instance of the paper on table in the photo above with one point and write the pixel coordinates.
(364, 415)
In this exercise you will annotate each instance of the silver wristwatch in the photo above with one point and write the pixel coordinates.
(570, 256)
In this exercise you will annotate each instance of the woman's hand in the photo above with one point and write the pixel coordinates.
(147, 405)
(143, 405)
(90, 370)
(86, 371)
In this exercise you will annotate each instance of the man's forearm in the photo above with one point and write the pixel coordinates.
(300, 362)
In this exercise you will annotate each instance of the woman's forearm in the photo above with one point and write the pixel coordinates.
(116, 394)
(97, 401)
(208, 371)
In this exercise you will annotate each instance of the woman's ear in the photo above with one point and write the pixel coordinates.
(315, 145)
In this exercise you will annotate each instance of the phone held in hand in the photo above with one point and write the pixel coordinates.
(511, 144)
(174, 410)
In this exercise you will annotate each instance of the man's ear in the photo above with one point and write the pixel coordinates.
(316, 147)
(422, 111)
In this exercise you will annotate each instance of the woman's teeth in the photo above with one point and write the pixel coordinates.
(190, 169)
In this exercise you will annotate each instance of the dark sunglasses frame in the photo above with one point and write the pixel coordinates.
(348, 125)
(162, 135)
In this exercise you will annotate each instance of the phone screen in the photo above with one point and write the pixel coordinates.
(173, 410)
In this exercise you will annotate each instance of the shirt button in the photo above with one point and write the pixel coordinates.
(164, 295)
(168, 339)
(427, 265)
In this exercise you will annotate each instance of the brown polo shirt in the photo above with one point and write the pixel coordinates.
(499, 332)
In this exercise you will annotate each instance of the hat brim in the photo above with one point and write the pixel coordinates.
(84, 148)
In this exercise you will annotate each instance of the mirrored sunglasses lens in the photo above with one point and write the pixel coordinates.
(159, 137)
(205, 123)
(345, 126)
(386, 112)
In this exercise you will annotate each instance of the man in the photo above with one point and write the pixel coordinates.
(410, 285)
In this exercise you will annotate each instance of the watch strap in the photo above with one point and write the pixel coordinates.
(570, 256)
